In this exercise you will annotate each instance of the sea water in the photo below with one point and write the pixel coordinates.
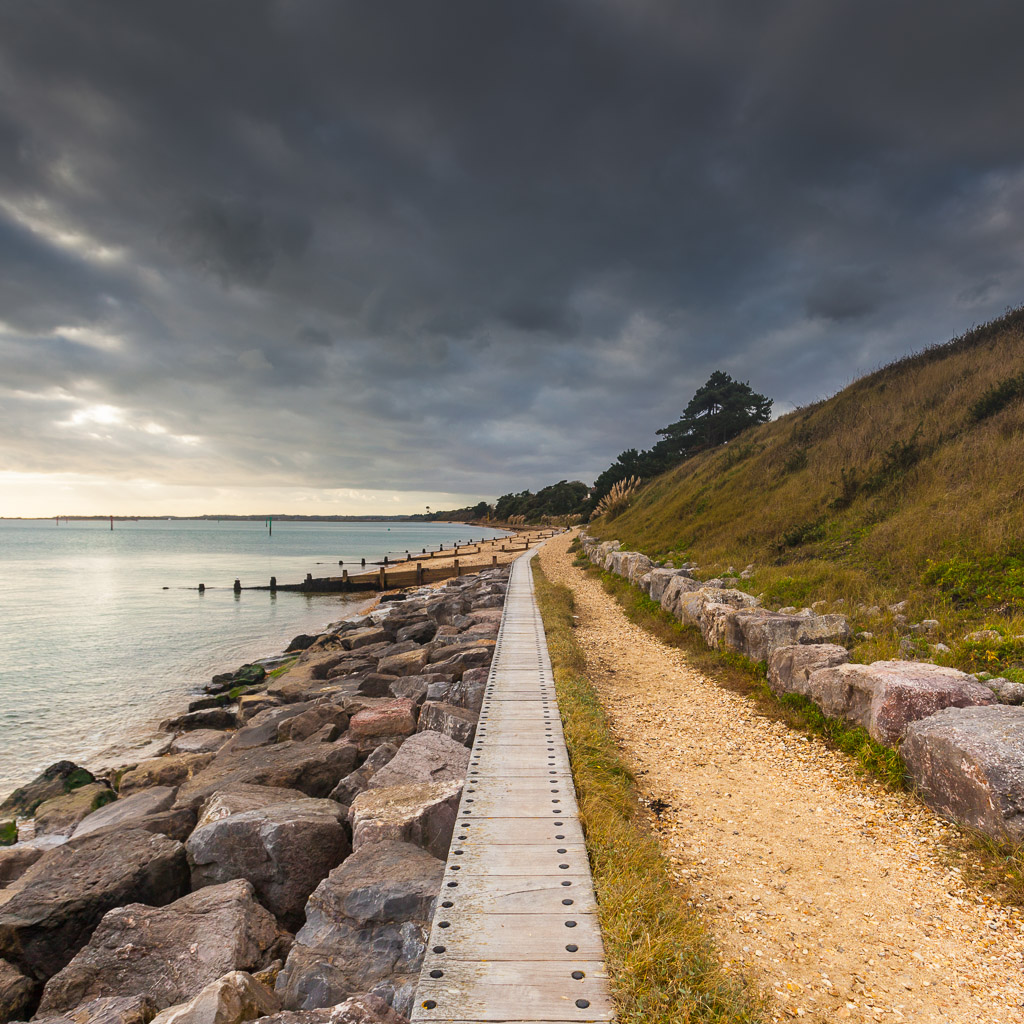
(104, 632)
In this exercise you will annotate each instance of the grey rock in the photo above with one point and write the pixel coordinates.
(421, 632)
(284, 850)
(17, 859)
(422, 814)
(199, 741)
(242, 796)
(968, 764)
(364, 638)
(48, 914)
(425, 757)
(211, 718)
(128, 810)
(790, 668)
(406, 663)
(106, 1010)
(1006, 691)
(168, 953)
(301, 727)
(300, 643)
(313, 768)
(367, 922)
(412, 688)
(262, 728)
(458, 723)
(757, 632)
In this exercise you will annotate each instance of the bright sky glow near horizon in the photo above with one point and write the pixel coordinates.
(321, 256)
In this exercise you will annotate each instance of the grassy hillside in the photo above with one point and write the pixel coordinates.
(908, 484)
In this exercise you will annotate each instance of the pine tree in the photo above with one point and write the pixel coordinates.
(720, 409)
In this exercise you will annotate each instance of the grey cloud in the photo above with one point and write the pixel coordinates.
(357, 244)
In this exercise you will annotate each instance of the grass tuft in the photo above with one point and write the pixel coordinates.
(664, 966)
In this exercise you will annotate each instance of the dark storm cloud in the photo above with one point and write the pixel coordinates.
(471, 247)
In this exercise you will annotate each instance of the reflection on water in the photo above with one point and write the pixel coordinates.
(103, 633)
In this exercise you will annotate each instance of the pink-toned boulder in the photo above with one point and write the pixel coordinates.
(968, 764)
(392, 718)
(790, 668)
(886, 696)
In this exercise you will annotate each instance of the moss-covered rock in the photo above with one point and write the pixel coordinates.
(8, 833)
(57, 780)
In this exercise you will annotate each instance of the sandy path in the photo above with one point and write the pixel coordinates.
(833, 891)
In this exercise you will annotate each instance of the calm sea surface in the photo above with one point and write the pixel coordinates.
(103, 632)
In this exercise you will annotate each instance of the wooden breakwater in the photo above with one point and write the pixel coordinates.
(413, 572)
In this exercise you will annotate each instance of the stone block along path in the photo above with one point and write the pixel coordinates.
(515, 936)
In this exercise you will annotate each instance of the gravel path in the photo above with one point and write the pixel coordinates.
(834, 892)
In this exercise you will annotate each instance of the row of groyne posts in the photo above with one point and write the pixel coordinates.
(407, 572)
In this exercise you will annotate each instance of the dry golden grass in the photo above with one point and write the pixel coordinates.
(853, 498)
(663, 963)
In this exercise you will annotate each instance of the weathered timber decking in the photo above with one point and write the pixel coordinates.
(515, 936)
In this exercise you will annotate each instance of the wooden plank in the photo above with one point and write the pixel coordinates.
(516, 937)
(508, 992)
(550, 860)
(520, 894)
(513, 831)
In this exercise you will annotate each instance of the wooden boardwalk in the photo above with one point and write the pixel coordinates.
(515, 936)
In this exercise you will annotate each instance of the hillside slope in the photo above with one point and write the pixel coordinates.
(908, 484)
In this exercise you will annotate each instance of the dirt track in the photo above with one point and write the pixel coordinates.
(835, 892)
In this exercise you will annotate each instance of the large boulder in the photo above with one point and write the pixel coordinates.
(421, 631)
(199, 741)
(162, 771)
(169, 953)
(367, 637)
(312, 768)
(235, 998)
(691, 605)
(423, 814)
(128, 810)
(262, 728)
(425, 757)
(48, 914)
(790, 668)
(886, 696)
(968, 764)
(17, 859)
(285, 850)
(208, 718)
(675, 589)
(361, 1009)
(756, 632)
(58, 779)
(106, 1010)
(301, 727)
(467, 692)
(242, 796)
(457, 723)
(367, 923)
(390, 718)
(17, 993)
(407, 663)
(60, 815)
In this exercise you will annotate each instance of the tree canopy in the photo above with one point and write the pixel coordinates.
(720, 409)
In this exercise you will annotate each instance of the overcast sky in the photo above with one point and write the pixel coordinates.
(304, 256)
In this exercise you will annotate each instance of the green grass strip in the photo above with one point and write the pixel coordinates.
(663, 963)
